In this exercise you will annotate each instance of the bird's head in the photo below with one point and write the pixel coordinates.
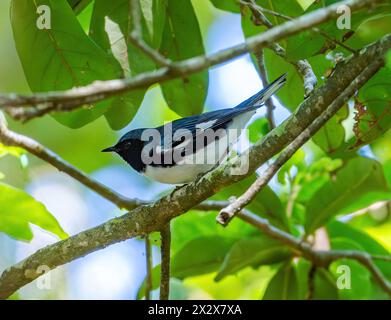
(130, 142)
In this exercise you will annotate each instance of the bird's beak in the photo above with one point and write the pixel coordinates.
(111, 149)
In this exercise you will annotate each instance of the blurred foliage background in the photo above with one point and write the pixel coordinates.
(349, 158)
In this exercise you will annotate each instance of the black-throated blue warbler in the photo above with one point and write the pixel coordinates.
(180, 151)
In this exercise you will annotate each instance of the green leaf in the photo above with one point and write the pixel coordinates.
(13, 151)
(110, 26)
(258, 129)
(297, 161)
(324, 284)
(266, 204)
(353, 278)
(61, 57)
(284, 285)
(371, 28)
(388, 59)
(18, 209)
(305, 3)
(359, 177)
(182, 40)
(332, 134)
(373, 110)
(252, 252)
(304, 45)
(227, 5)
(292, 93)
(200, 256)
(197, 224)
(338, 229)
(325, 287)
(79, 5)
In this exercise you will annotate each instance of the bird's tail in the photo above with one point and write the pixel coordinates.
(259, 98)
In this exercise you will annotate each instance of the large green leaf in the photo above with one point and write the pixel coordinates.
(61, 57)
(227, 5)
(182, 40)
(358, 178)
(325, 287)
(200, 256)
(373, 109)
(332, 134)
(18, 209)
(372, 27)
(197, 224)
(338, 229)
(79, 5)
(110, 26)
(304, 45)
(305, 3)
(252, 252)
(323, 282)
(344, 270)
(284, 285)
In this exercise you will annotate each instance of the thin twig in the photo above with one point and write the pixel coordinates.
(39, 104)
(253, 6)
(148, 278)
(165, 234)
(136, 36)
(229, 212)
(381, 258)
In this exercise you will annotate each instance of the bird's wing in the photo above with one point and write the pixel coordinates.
(187, 129)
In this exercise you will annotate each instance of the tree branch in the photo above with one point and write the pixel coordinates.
(319, 258)
(165, 234)
(69, 100)
(233, 208)
(10, 138)
(149, 218)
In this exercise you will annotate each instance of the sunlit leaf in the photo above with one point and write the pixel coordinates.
(373, 109)
(359, 177)
(60, 57)
(252, 252)
(110, 27)
(332, 134)
(338, 229)
(18, 209)
(200, 256)
(182, 40)
(284, 285)
(353, 278)
(305, 3)
(227, 5)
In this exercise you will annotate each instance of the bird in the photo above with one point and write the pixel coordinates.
(183, 150)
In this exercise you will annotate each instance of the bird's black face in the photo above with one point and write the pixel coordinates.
(130, 151)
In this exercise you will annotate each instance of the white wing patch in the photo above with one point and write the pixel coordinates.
(206, 125)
